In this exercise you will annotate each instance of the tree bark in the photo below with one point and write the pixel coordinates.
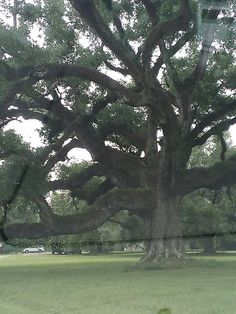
(163, 232)
(209, 245)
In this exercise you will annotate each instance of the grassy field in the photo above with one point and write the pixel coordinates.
(94, 285)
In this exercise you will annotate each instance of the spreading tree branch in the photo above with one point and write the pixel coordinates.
(220, 174)
(100, 104)
(151, 9)
(212, 117)
(134, 136)
(77, 181)
(216, 130)
(173, 49)
(61, 154)
(164, 28)
(93, 217)
(91, 197)
(116, 69)
(89, 12)
(52, 71)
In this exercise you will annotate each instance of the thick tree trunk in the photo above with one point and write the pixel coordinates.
(209, 245)
(162, 228)
(163, 232)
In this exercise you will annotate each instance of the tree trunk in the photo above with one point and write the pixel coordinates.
(163, 232)
(209, 245)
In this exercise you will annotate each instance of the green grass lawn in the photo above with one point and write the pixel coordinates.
(93, 285)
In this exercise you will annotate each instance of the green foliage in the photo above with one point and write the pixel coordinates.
(117, 117)
(19, 160)
(132, 227)
(164, 311)
(4, 84)
(15, 154)
(30, 13)
(22, 210)
(12, 144)
(51, 31)
(206, 212)
(168, 9)
(62, 203)
(16, 157)
(210, 152)
(230, 78)
(65, 171)
(201, 217)
(19, 50)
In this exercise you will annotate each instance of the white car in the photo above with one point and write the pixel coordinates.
(34, 249)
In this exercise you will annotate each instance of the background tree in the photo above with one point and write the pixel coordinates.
(208, 215)
(172, 91)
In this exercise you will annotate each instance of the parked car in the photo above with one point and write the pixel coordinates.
(58, 250)
(34, 249)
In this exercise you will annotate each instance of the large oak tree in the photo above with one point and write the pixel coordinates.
(138, 84)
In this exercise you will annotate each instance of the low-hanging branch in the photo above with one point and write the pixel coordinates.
(220, 174)
(93, 217)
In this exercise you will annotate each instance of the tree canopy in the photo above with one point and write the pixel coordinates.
(139, 84)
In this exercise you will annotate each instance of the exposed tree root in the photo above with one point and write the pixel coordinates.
(163, 254)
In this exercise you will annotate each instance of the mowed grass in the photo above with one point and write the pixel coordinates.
(102, 284)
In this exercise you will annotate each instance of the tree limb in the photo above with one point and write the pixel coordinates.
(100, 104)
(134, 136)
(151, 10)
(220, 174)
(216, 130)
(52, 71)
(94, 216)
(116, 21)
(116, 69)
(91, 197)
(173, 50)
(89, 12)
(208, 119)
(45, 211)
(77, 181)
(61, 154)
(164, 28)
